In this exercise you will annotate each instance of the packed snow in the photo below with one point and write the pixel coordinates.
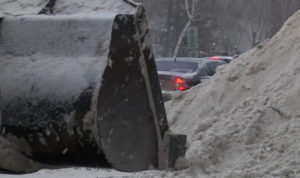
(243, 122)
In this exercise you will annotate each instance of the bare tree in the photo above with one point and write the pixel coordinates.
(194, 13)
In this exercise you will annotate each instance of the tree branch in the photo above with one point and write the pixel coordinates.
(187, 9)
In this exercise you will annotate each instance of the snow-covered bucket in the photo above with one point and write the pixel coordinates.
(78, 86)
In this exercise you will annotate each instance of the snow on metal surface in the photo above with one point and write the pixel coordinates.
(59, 35)
(74, 47)
(93, 6)
(50, 75)
(31, 7)
(21, 7)
(68, 79)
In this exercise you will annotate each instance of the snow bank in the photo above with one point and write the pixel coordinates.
(245, 121)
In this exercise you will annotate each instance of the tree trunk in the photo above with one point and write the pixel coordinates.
(187, 25)
(169, 25)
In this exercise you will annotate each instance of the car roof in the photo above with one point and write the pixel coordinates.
(225, 57)
(188, 59)
(222, 57)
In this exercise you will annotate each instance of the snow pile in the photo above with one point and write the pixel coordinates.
(245, 121)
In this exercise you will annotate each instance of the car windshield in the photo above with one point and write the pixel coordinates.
(176, 66)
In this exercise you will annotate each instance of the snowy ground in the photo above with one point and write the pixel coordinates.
(88, 172)
(73, 173)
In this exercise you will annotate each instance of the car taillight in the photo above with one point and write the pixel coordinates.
(214, 58)
(179, 81)
(180, 84)
(180, 88)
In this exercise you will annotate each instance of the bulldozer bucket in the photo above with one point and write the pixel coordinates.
(84, 87)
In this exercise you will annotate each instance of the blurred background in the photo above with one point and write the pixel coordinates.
(197, 28)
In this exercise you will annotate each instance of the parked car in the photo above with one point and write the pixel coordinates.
(226, 59)
(179, 74)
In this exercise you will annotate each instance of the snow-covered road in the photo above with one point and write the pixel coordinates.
(79, 172)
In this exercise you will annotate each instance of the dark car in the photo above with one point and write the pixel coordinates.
(182, 73)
